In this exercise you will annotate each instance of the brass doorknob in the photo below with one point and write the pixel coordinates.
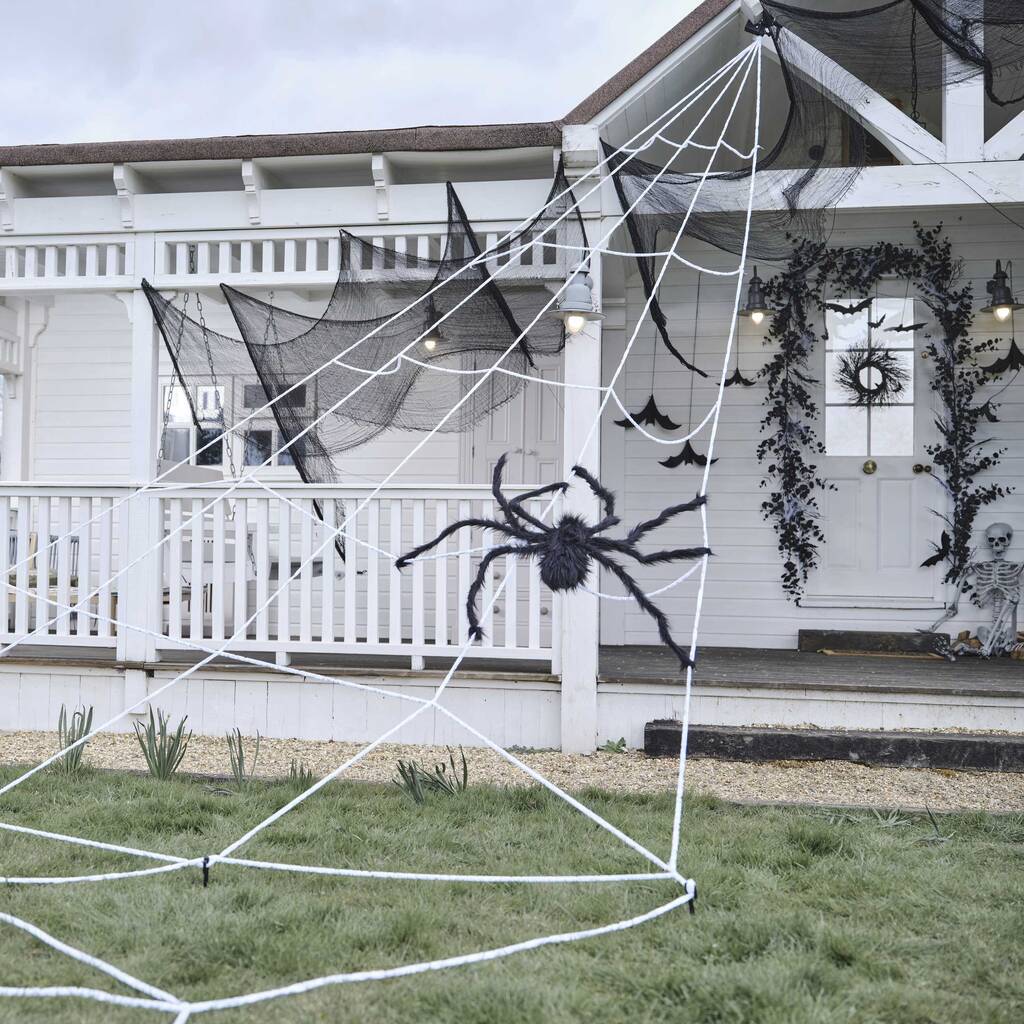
(870, 466)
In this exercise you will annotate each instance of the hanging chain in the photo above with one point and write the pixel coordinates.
(915, 85)
(168, 401)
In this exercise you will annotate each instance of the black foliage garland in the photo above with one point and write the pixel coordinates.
(791, 408)
(891, 382)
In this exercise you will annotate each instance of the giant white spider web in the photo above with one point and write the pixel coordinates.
(730, 81)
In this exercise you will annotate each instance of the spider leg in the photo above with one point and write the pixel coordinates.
(512, 507)
(641, 529)
(624, 547)
(599, 490)
(647, 605)
(487, 524)
(481, 574)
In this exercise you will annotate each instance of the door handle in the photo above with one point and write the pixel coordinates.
(921, 468)
(869, 466)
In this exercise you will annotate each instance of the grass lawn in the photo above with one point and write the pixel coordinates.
(803, 916)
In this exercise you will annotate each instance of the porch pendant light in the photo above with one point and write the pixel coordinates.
(756, 306)
(576, 307)
(1003, 304)
(433, 336)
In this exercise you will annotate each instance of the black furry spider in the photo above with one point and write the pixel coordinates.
(566, 548)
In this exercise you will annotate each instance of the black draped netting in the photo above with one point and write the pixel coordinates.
(813, 149)
(480, 314)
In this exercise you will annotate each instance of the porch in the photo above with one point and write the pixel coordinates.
(518, 701)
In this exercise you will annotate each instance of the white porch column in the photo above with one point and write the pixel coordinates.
(140, 588)
(580, 611)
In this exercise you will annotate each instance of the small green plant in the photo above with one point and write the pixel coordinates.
(162, 749)
(70, 731)
(613, 746)
(299, 775)
(236, 754)
(414, 780)
(440, 781)
(410, 780)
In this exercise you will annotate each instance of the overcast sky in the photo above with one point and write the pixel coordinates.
(76, 71)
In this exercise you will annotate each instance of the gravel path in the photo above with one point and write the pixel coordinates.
(817, 782)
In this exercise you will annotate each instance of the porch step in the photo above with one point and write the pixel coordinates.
(980, 752)
(863, 641)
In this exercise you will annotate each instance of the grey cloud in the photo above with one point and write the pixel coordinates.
(103, 70)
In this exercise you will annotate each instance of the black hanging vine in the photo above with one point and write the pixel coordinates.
(791, 440)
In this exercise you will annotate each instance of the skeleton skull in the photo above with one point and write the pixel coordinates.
(999, 537)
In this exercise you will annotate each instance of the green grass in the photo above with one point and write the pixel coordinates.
(803, 916)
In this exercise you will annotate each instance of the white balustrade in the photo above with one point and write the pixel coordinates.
(312, 571)
(52, 557)
(307, 570)
(55, 263)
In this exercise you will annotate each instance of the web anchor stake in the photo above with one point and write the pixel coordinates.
(206, 873)
(692, 905)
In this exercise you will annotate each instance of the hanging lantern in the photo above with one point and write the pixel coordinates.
(1002, 304)
(576, 306)
(433, 336)
(757, 306)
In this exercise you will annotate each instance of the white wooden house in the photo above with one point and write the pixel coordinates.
(84, 376)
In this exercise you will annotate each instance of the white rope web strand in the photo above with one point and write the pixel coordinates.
(183, 1010)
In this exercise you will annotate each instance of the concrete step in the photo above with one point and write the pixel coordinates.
(975, 751)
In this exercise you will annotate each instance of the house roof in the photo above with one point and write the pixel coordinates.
(427, 138)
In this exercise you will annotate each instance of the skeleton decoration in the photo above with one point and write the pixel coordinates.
(997, 585)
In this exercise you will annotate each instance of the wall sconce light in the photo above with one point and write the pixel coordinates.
(576, 307)
(756, 307)
(1002, 304)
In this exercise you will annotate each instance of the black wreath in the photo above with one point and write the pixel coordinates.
(892, 377)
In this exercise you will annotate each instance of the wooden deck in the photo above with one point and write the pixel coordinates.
(771, 669)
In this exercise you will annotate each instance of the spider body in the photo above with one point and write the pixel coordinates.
(567, 548)
(564, 563)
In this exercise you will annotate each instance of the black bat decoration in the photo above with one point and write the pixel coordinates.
(906, 328)
(857, 307)
(689, 456)
(988, 412)
(942, 550)
(1013, 360)
(738, 378)
(650, 416)
(875, 324)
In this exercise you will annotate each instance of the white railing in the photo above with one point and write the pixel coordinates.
(317, 255)
(36, 574)
(71, 263)
(305, 256)
(228, 564)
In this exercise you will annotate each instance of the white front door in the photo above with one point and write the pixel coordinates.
(528, 429)
(878, 417)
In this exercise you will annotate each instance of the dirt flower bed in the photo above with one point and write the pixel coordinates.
(819, 782)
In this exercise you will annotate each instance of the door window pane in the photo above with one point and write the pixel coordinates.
(214, 455)
(846, 430)
(892, 430)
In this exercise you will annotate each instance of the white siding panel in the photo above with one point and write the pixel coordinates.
(81, 391)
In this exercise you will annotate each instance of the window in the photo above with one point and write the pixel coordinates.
(257, 447)
(860, 430)
(181, 439)
(255, 397)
